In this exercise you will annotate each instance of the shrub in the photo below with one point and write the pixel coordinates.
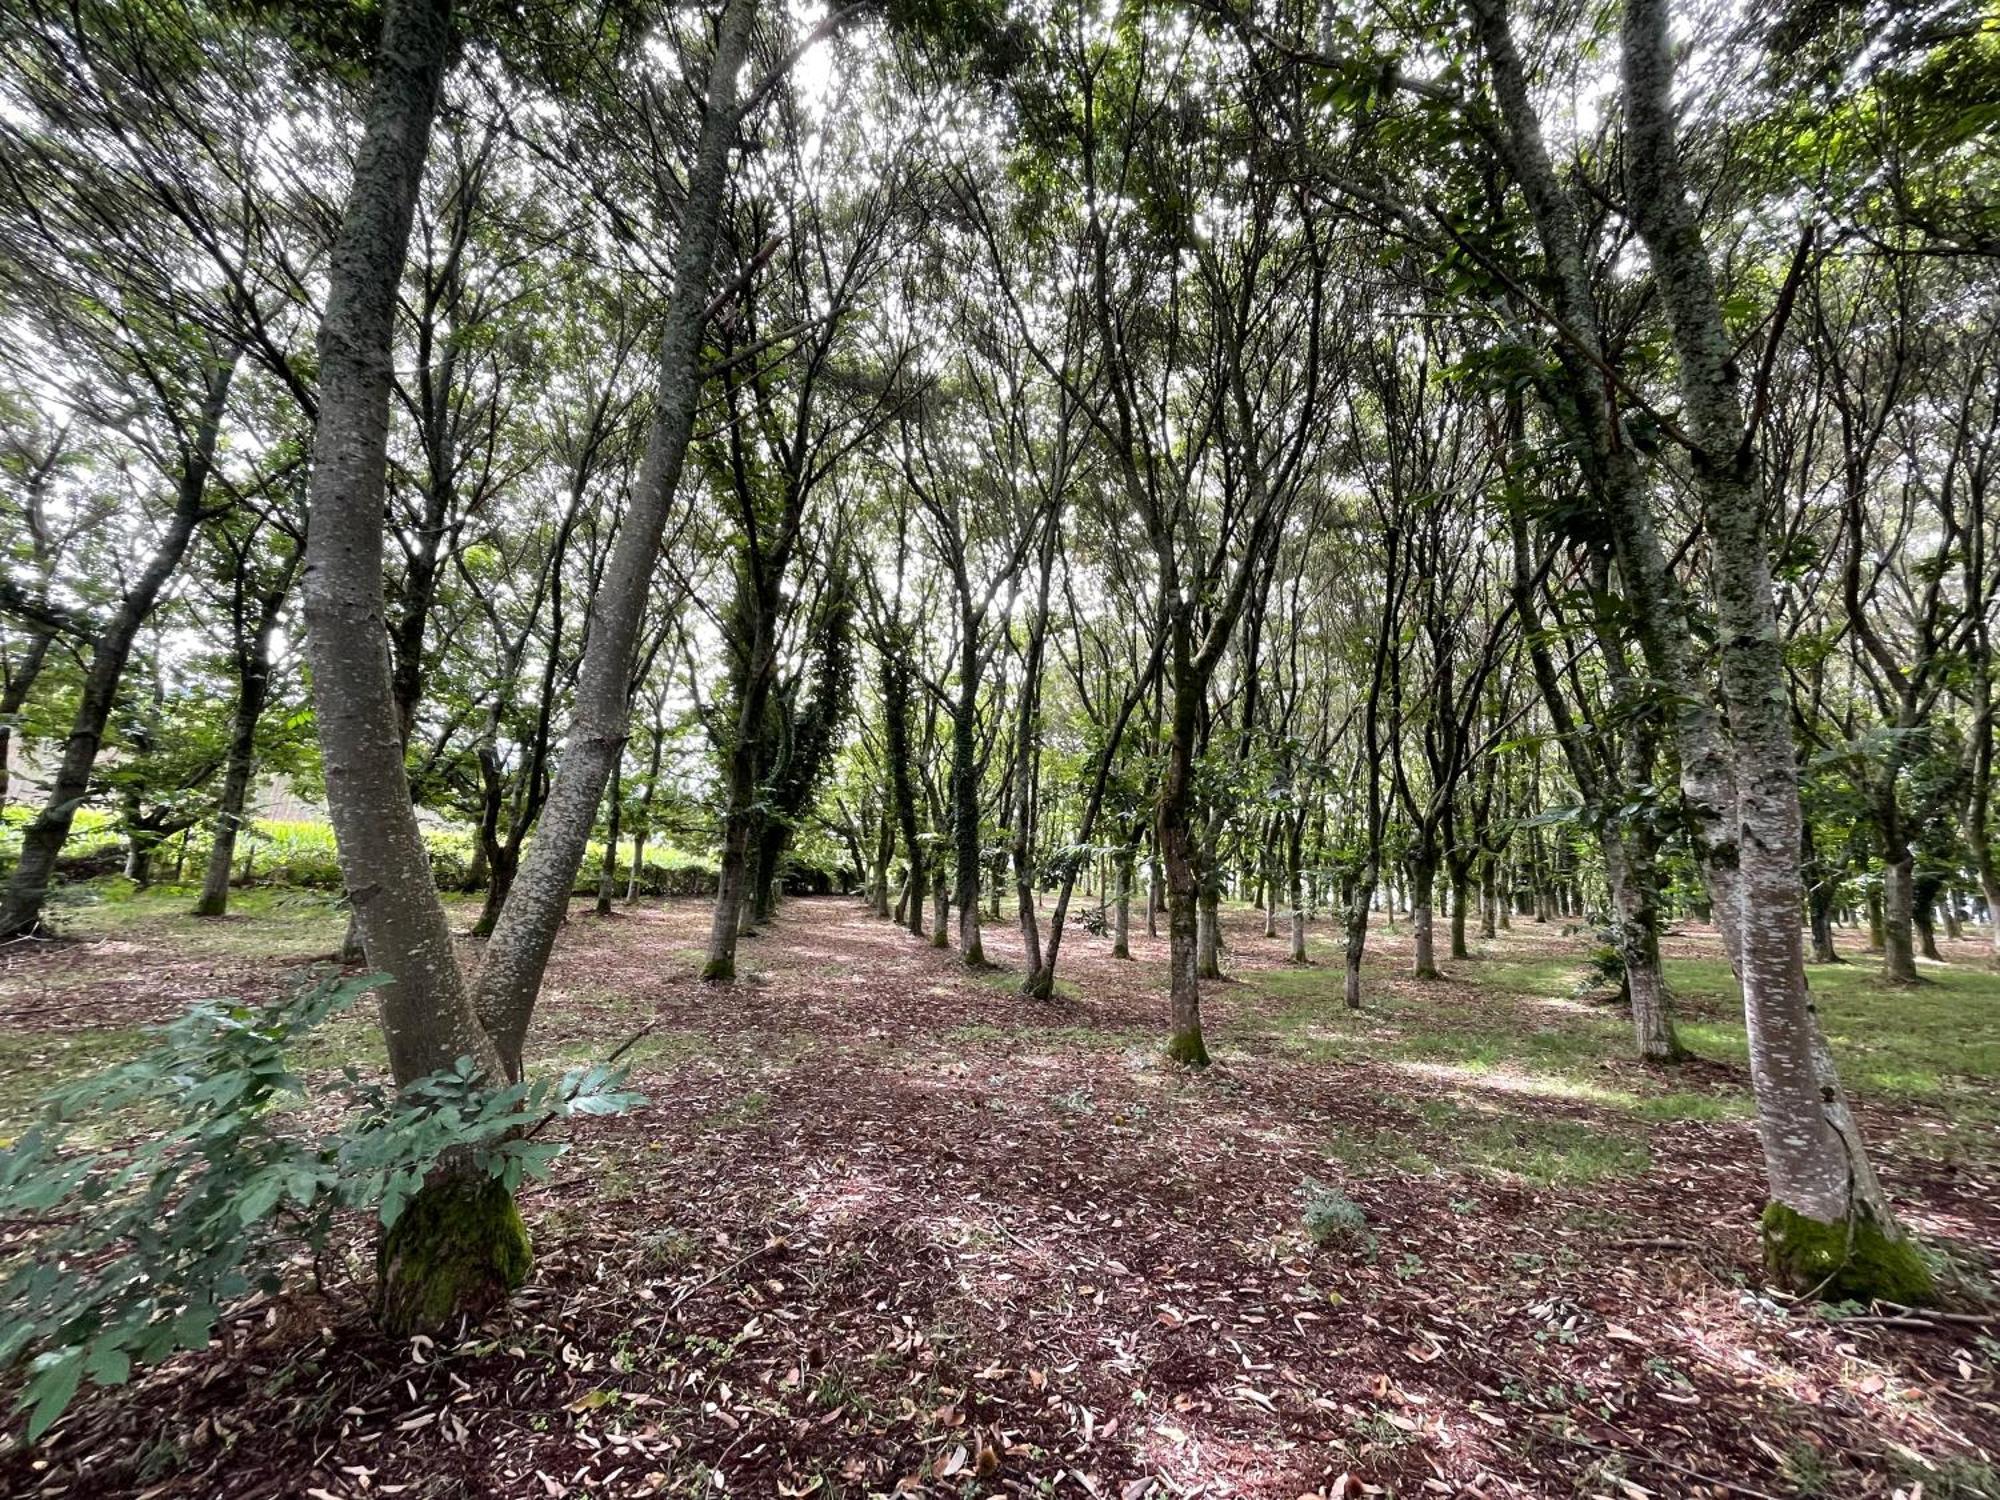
(214, 1189)
(1331, 1217)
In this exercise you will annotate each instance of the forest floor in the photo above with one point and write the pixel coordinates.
(886, 1227)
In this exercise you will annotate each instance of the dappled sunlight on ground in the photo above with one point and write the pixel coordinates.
(887, 1227)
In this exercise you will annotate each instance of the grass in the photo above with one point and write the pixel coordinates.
(1940, 1038)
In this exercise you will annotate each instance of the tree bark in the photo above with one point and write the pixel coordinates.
(42, 841)
(518, 952)
(253, 690)
(1829, 1227)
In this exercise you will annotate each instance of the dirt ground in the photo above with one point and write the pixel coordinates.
(886, 1227)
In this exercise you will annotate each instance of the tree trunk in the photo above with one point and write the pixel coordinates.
(1208, 932)
(1828, 1227)
(1121, 919)
(607, 871)
(885, 848)
(1899, 955)
(902, 785)
(518, 953)
(441, 1258)
(1173, 827)
(1423, 878)
(1295, 885)
(239, 769)
(42, 840)
(1461, 891)
(1819, 905)
(1634, 881)
(20, 682)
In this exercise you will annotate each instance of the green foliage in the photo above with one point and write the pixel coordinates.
(1331, 1217)
(215, 1186)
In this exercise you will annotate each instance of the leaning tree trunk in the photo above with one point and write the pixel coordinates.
(41, 843)
(1828, 1227)
(459, 1247)
(252, 691)
(518, 952)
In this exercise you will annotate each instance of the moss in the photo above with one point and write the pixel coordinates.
(457, 1249)
(1187, 1049)
(719, 970)
(1807, 1255)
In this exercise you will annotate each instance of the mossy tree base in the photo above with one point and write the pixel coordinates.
(1187, 1049)
(1807, 1256)
(719, 970)
(457, 1249)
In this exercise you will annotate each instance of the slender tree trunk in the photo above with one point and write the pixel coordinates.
(607, 872)
(1173, 826)
(518, 952)
(1294, 864)
(253, 688)
(940, 907)
(885, 849)
(1461, 891)
(1121, 924)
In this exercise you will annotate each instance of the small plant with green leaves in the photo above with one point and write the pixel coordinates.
(1333, 1218)
(213, 1187)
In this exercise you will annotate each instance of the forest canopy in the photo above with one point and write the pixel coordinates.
(1036, 469)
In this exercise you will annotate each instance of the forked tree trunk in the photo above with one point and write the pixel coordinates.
(459, 1246)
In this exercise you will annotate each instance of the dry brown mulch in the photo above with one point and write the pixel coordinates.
(885, 1227)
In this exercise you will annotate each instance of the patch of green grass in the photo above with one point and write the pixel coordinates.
(1926, 1042)
(1546, 1151)
(33, 1063)
(263, 921)
(1692, 1106)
